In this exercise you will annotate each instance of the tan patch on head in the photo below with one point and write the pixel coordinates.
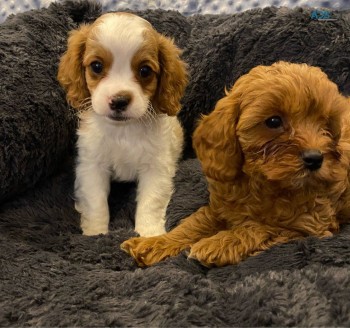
(71, 73)
(171, 72)
(146, 59)
(96, 53)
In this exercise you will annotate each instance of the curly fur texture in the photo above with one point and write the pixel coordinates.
(276, 154)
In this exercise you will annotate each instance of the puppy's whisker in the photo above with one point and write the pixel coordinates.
(144, 120)
(151, 111)
(85, 101)
(85, 105)
(150, 116)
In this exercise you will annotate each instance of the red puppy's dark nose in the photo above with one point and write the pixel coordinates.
(312, 159)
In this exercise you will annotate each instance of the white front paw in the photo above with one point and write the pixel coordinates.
(151, 230)
(94, 232)
(92, 229)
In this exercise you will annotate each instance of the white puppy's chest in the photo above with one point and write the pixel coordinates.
(128, 158)
(127, 149)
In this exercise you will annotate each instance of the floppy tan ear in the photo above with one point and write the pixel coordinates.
(173, 78)
(216, 143)
(71, 73)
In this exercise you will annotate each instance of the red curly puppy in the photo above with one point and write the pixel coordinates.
(276, 155)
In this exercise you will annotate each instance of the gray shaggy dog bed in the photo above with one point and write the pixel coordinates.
(51, 275)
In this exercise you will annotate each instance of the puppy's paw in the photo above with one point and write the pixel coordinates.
(90, 229)
(211, 252)
(151, 230)
(94, 231)
(149, 250)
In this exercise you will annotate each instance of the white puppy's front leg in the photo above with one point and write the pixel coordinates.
(153, 195)
(92, 187)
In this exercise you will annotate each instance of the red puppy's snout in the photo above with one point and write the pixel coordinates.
(312, 159)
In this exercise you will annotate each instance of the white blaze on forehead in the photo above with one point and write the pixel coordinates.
(122, 34)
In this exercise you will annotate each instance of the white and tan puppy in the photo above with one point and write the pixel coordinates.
(127, 80)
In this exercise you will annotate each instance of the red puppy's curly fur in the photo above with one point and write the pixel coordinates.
(276, 154)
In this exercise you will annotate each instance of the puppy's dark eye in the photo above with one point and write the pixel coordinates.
(96, 67)
(274, 122)
(145, 71)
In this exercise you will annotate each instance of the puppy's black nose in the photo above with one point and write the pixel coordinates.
(312, 159)
(120, 103)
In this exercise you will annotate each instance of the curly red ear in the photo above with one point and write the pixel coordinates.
(216, 143)
(71, 73)
(173, 78)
